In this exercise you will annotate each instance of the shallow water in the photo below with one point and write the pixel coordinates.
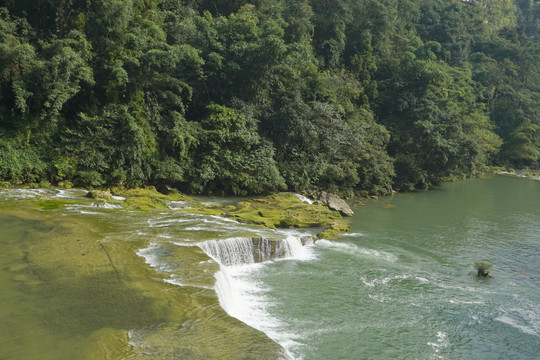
(87, 282)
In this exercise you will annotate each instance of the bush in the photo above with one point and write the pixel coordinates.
(20, 165)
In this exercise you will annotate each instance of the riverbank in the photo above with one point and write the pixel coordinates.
(524, 173)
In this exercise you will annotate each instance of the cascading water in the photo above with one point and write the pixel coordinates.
(249, 250)
(239, 295)
(232, 251)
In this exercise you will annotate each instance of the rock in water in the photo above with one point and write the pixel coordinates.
(483, 268)
(98, 194)
(336, 203)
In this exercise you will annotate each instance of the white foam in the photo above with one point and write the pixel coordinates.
(514, 323)
(441, 342)
(175, 205)
(107, 205)
(466, 302)
(23, 193)
(247, 300)
(199, 228)
(182, 244)
(304, 198)
(224, 219)
(295, 250)
(351, 234)
(69, 193)
(165, 223)
(173, 282)
(89, 212)
(384, 280)
(352, 249)
(239, 294)
(152, 257)
(524, 316)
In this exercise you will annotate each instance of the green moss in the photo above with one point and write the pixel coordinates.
(282, 210)
(252, 217)
(52, 204)
(216, 210)
(146, 203)
(285, 210)
(150, 192)
(147, 198)
(98, 194)
(328, 234)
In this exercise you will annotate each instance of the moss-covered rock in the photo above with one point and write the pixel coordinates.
(328, 234)
(483, 267)
(285, 210)
(99, 194)
(148, 198)
(149, 192)
(205, 209)
(146, 203)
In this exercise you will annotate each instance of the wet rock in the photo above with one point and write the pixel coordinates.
(483, 268)
(98, 194)
(336, 203)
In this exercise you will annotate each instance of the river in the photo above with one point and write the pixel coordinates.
(79, 279)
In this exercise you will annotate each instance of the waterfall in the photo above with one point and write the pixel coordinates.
(246, 250)
(304, 199)
(229, 252)
(239, 294)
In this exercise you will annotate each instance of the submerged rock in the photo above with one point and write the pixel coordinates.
(336, 203)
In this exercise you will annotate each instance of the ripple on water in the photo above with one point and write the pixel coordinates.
(351, 249)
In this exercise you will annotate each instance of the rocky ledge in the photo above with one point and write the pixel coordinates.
(283, 210)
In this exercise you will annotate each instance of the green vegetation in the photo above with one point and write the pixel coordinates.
(146, 198)
(285, 210)
(281, 210)
(237, 97)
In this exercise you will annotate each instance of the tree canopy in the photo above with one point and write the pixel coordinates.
(237, 97)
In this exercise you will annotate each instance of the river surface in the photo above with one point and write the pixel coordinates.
(153, 285)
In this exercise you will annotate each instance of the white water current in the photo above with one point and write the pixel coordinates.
(239, 294)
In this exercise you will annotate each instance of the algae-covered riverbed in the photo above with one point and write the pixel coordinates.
(80, 281)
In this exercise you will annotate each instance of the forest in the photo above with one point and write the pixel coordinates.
(356, 97)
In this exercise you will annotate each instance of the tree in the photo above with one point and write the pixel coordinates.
(231, 157)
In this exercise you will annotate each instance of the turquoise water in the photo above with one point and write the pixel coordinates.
(402, 285)
(92, 282)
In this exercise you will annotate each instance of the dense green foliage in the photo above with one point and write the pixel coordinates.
(351, 96)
